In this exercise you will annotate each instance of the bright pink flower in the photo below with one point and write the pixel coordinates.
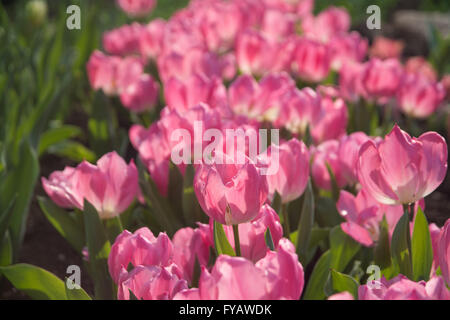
(332, 121)
(182, 95)
(230, 192)
(311, 60)
(241, 95)
(435, 234)
(382, 78)
(444, 251)
(301, 108)
(150, 283)
(350, 80)
(419, 97)
(363, 215)
(292, 162)
(401, 288)
(139, 248)
(401, 169)
(137, 7)
(253, 53)
(326, 153)
(278, 275)
(327, 24)
(102, 72)
(154, 151)
(124, 40)
(341, 296)
(151, 38)
(278, 25)
(347, 47)
(421, 66)
(252, 234)
(190, 245)
(349, 153)
(141, 94)
(385, 48)
(61, 188)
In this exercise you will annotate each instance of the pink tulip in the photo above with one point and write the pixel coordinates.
(363, 215)
(301, 108)
(191, 245)
(182, 95)
(278, 25)
(252, 234)
(150, 283)
(401, 288)
(347, 47)
(61, 188)
(241, 95)
(230, 192)
(444, 251)
(341, 296)
(154, 151)
(151, 38)
(327, 24)
(418, 97)
(421, 66)
(435, 234)
(141, 94)
(290, 180)
(326, 153)
(349, 152)
(446, 83)
(382, 78)
(385, 48)
(350, 80)
(124, 40)
(102, 72)
(401, 169)
(137, 7)
(278, 275)
(332, 121)
(139, 248)
(253, 53)
(311, 60)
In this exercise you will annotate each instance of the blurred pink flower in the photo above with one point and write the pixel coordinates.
(141, 94)
(421, 66)
(385, 48)
(311, 60)
(123, 40)
(151, 38)
(332, 121)
(323, 154)
(349, 153)
(444, 251)
(382, 78)
(137, 7)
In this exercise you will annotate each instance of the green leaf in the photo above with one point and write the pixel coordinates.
(315, 288)
(343, 282)
(305, 225)
(6, 254)
(276, 203)
(76, 294)
(191, 208)
(422, 251)
(98, 247)
(342, 249)
(63, 223)
(5, 216)
(401, 246)
(269, 240)
(334, 186)
(221, 241)
(72, 150)
(382, 252)
(55, 135)
(326, 212)
(38, 283)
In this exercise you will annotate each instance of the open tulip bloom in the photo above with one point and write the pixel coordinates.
(246, 150)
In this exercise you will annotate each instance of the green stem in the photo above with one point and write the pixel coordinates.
(237, 243)
(286, 227)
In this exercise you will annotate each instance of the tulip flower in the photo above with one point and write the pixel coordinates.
(382, 78)
(326, 154)
(241, 95)
(347, 47)
(252, 234)
(332, 120)
(230, 192)
(137, 8)
(401, 288)
(253, 52)
(139, 248)
(345, 295)
(444, 251)
(348, 154)
(102, 72)
(418, 65)
(290, 180)
(151, 38)
(61, 188)
(385, 48)
(278, 275)
(350, 80)
(150, 283)
(327, 24)
(278, 25)
(401, 169)
(124, 40)
(311, 60)
(141, 94)
(418, 97)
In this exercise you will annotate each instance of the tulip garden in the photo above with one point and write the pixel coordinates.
(222, 150)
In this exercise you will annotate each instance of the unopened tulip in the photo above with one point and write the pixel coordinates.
(290, 180)
(401, 169)
(253, 52)
(382, 78)
(241, 95)
(141, 94)
(137, 8)
(102, 72)
(124, 40)
(151, 38)
(444, 251)
(326, 153)
(139, 248)
(230, 192)
(150, 283)
(419, 97)
(332, 120)
(327, 24)
(311, 60)
(350, 80)
(349, 152)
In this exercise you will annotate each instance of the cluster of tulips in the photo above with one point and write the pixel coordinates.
(343, 196)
